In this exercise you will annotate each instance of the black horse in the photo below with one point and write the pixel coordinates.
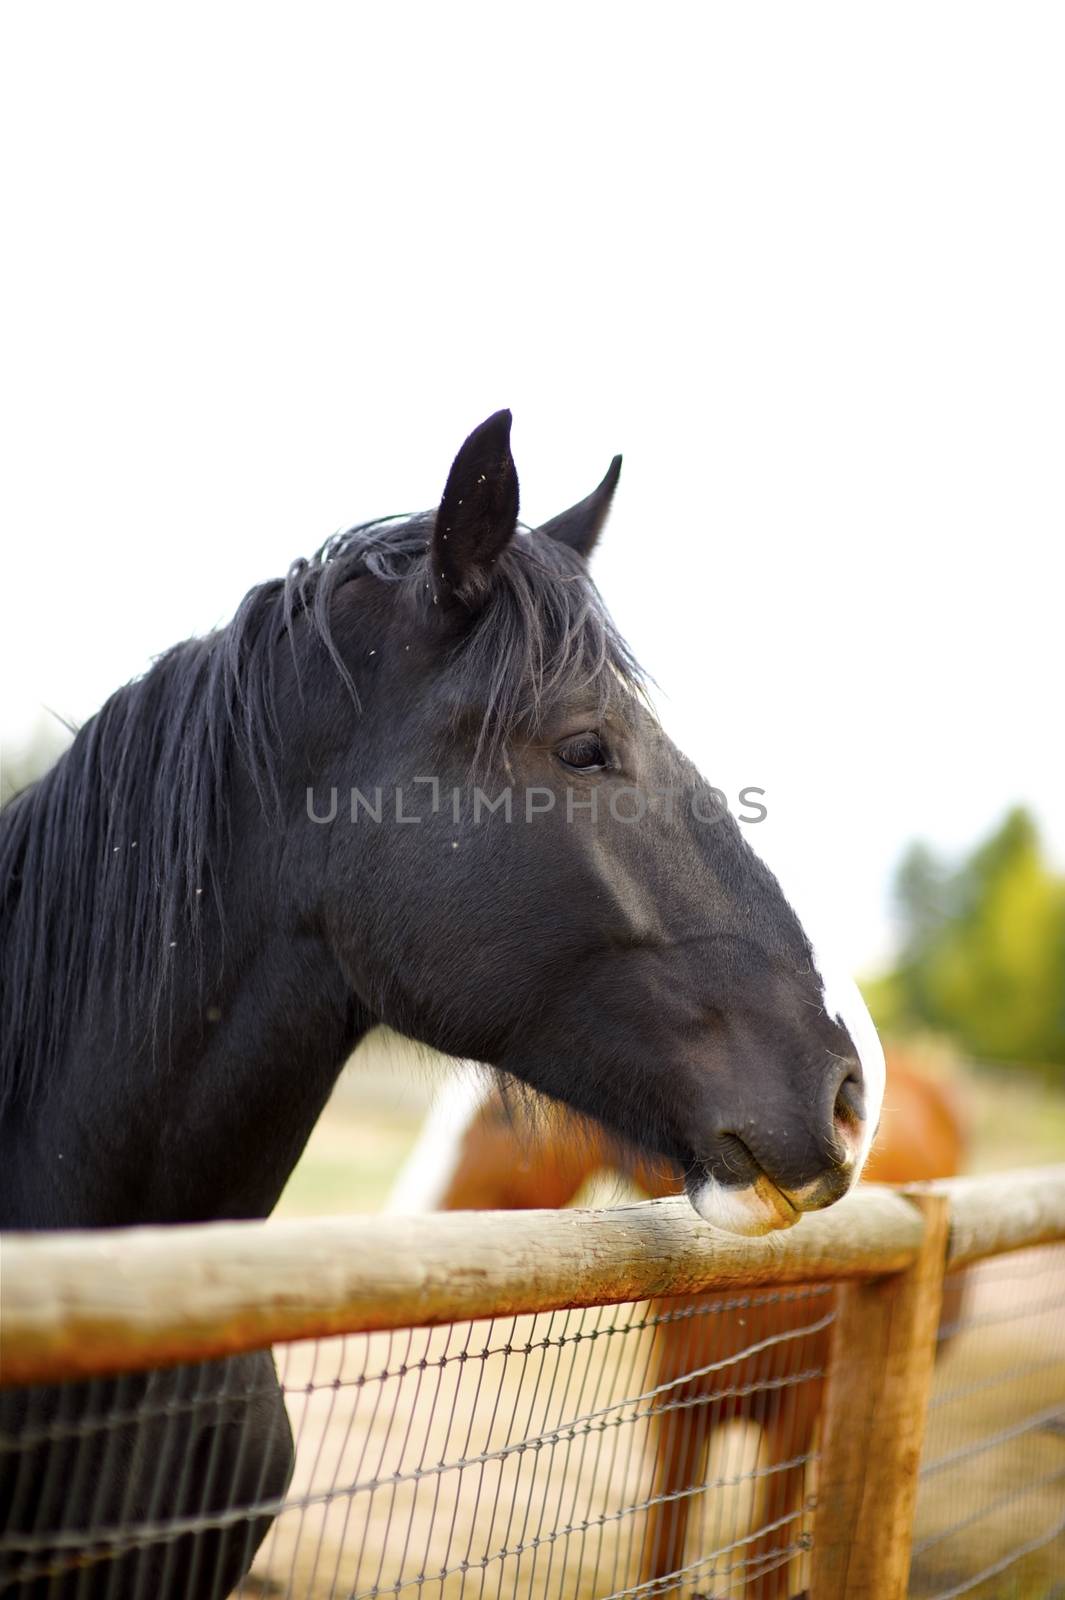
(220, 888)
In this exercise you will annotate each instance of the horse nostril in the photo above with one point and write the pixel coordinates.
(849, 1107)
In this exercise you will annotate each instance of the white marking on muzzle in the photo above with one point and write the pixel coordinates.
(843, 1002)
(748, 1212)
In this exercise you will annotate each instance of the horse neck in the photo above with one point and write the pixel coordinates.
(245, 1100)
(205, 1114)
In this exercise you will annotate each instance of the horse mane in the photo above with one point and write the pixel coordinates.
(108, 862)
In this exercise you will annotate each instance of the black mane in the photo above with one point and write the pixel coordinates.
(106, 863)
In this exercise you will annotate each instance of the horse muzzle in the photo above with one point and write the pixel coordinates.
(738, 1196)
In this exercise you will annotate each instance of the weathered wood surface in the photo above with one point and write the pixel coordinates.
(79, 1304)
(1004, 1211)
(872, 1424)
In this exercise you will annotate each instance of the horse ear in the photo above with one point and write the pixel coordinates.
(581, 525)
(478, 513)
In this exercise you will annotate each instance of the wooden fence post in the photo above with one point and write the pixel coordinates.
(882, 1355)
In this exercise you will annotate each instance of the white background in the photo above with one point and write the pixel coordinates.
(265, 267)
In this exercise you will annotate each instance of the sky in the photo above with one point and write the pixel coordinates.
(803, 265)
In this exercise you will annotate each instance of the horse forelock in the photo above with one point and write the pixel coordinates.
(540, 634)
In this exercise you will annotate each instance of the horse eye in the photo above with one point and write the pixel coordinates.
(583, 753)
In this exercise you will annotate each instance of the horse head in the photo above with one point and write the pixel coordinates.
(523, 869)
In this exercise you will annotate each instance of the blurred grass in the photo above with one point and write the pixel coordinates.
(366, 1130)
(1016, 1121)
(350, 1161)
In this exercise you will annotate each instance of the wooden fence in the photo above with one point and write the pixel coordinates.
(79, 1305)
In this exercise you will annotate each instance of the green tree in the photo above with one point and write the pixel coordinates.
(982, 954)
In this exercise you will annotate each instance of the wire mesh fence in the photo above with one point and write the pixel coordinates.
(628, 1450)
(610, 1452)
(991, 1504)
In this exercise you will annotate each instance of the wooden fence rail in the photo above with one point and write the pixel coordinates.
(85, 1304)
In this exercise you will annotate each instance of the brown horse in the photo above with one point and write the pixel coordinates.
(480, 1154)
